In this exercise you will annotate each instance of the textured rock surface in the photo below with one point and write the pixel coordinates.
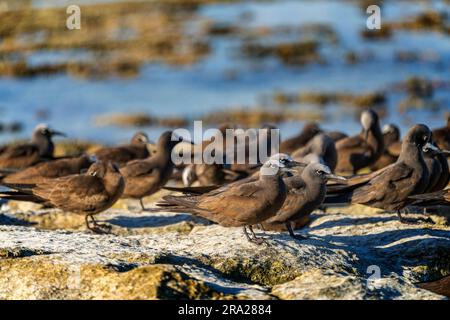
(46, 254)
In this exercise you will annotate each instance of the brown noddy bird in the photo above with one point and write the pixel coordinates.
(40, 148)
(309, 131)
(240, 204)
(88, 193)
(205, 174)
(198, 190)
(211, 174)
(438, 168)
(360, 151)
(434, 168)
(146, 176)
(442, 136)
(263, 137)
(322, 146)
(306, 193)
(137, 149)
(50, 170)
(390, 188)
(214, 174)
(392, 147)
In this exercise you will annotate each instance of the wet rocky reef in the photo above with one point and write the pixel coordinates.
(350, 253)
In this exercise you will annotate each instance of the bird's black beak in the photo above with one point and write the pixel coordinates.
(431, 147)
(57, 133)
(336, 178)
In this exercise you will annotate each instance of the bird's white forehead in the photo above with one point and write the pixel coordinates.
(281, 156)
(366, 119)
(42, 126)
(387, 128)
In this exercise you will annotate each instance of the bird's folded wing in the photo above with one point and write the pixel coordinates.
(73, 193)
(230, 202)
(24, 150)
(354, 181)
(138, 168)
(193, 190)
(388, 183)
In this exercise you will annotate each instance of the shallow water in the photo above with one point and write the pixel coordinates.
(203, 87)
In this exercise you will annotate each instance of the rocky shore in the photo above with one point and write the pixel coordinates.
(350, 253)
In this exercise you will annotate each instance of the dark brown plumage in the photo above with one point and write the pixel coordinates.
(434, 168)
(251, 149)
(209, 174)
(392, 147)
(137, 149)
(21, 156)
(306, 193)
(309, 131)
(438, 169)
(146, 176)
(240, 204)
(49, 170)
(390, 187)
(444, 178)
(88, 194)
(442, 136)
(205, 174)
(323, 147)
(360, 151)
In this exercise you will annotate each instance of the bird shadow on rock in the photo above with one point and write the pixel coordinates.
(395, 250)
(288, 243)
(13, 221)
(352, 222)
(151, 221)
(386, 238)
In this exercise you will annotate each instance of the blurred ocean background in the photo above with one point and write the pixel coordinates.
(219, 56)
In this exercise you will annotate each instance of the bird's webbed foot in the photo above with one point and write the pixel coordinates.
(99, 228)
(252, 237)
(412, 221)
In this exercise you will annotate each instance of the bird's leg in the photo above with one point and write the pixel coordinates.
(292, 234)
(256, 239)
(427, 219)
(86, 219)
(247, 235)
(401, 218)
(405, 220)
(261, 226)
(97, 227)
(142, 204)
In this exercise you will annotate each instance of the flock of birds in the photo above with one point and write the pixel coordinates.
(313, 170)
